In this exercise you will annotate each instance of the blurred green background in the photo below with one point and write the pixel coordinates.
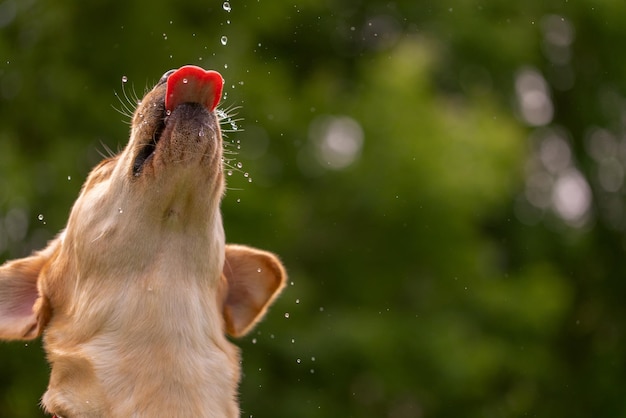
(444, 181)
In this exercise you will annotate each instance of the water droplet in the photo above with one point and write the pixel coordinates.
(226, 6)
(259, 270)
(40, 217)
(250, 180)
(293, 341)
(239, 165)
(238, 200)
(246, 175)
(69, 178)
(312, 371)
(254, 341)
(124, 79)
(286, 314)
(120, 210)
(185, 81)
(297, 300)
(229, 172)
(298, 361)
(168, 112)
(165, 36)
(224, 41)
(312, 358)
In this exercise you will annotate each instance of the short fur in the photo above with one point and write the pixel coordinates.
(135, 295)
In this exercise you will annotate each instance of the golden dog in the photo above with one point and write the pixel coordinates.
(135, 295)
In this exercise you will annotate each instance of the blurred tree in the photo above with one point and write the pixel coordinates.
(444, 181)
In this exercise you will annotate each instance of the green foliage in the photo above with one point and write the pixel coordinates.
(435, 269)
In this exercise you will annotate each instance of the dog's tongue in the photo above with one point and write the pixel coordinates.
(191, 84)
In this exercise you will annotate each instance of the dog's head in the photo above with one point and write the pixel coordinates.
(135, 295)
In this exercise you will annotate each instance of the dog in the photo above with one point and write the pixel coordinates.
(135, 296)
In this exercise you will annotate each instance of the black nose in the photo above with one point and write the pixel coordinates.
(166, 75)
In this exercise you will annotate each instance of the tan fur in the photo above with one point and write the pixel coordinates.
(135, 295)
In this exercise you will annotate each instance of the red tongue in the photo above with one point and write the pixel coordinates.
(191, 84)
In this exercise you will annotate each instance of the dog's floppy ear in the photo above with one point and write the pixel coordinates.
(254, 279)
(20, 316)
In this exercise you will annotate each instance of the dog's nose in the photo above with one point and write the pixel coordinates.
(165, 76)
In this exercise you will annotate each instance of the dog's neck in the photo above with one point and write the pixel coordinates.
(191, 351)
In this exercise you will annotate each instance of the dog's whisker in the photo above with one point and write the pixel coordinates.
(108, 152)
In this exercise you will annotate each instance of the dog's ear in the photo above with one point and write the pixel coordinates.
(20, 302)
(254, 279)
